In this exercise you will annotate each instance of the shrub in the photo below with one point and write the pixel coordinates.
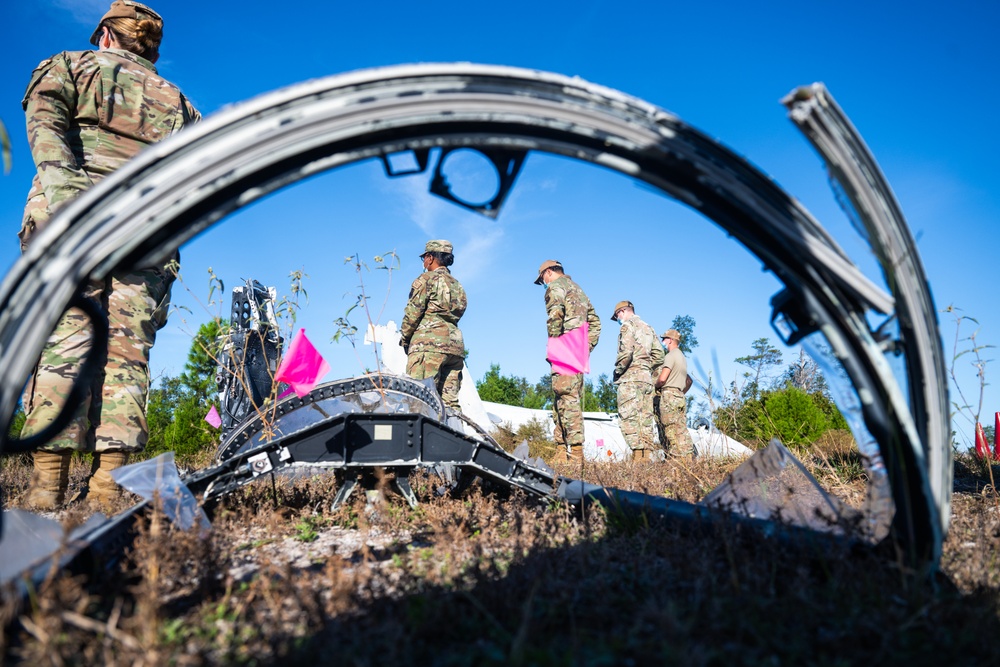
(534, 432)
(793, 416)
(796, 418)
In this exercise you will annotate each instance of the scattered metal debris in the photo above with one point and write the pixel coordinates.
(181, 186)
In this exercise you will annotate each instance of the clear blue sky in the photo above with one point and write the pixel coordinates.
(918, 80)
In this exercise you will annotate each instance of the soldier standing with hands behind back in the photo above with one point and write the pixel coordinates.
(429, 333)
(671, 384)
(639, 357)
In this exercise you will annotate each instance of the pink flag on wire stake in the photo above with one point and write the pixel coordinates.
(302, 366)
(570, 353)
(213, 418)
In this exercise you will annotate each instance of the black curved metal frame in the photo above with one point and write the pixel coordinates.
(180, 187)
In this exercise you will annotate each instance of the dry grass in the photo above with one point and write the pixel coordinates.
(533, 432)
(495, 578)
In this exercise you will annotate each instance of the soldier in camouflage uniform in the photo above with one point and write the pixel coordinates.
(673, 406)
(640, 355)
(568, 308)
(88, 112)
(429, 334)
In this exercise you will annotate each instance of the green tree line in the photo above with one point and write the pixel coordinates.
(512, 390)
(790, 402)
(177, 407)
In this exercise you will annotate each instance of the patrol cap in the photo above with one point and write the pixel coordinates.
(124, 9)
(439, 245)
(547, 264)
(672, 333)
(619, 306)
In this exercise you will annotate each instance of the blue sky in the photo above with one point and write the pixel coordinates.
(917, 79)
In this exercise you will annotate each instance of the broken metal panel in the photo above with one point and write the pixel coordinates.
(157, 480)
(925, 458)
(617, 501)
(399, 427)
(386, 394)
(181, 186)
(28, 541)
(774, 485)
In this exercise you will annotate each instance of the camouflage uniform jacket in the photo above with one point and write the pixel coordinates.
(82, 122)
(640, 352)
(430, 321)
(568, 308)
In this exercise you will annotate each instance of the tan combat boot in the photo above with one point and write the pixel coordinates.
(103, 489)
(49, 479)
(574, 452)
(639, 455)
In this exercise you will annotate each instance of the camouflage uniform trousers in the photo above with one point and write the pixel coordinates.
(673, 422)
(635, 409)
(445, 369)
(113, 414)
(567, 412)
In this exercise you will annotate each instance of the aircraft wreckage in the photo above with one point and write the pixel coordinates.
(180, 187)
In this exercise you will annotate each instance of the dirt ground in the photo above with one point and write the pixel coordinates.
(498, 578)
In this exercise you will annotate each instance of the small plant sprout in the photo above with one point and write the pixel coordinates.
(345, 329)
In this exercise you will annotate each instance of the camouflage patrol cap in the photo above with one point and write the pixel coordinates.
(547, 264)
(672, 333)
(124, 9)
(619, 306)
(439, 245)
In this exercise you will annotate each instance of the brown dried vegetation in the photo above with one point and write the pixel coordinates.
(496, 578)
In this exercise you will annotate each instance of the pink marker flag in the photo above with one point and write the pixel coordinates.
(213, 418)
(570, 353)
(302, 366)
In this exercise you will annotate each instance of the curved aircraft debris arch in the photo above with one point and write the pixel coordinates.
(180, 187)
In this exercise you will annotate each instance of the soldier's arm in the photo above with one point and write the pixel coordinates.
(555, 306)
(594, 332)
(656, 353)
(457, 301)
(49, 105)
(662, 378)
(414, 312)
(626, 343)
(463, 300)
